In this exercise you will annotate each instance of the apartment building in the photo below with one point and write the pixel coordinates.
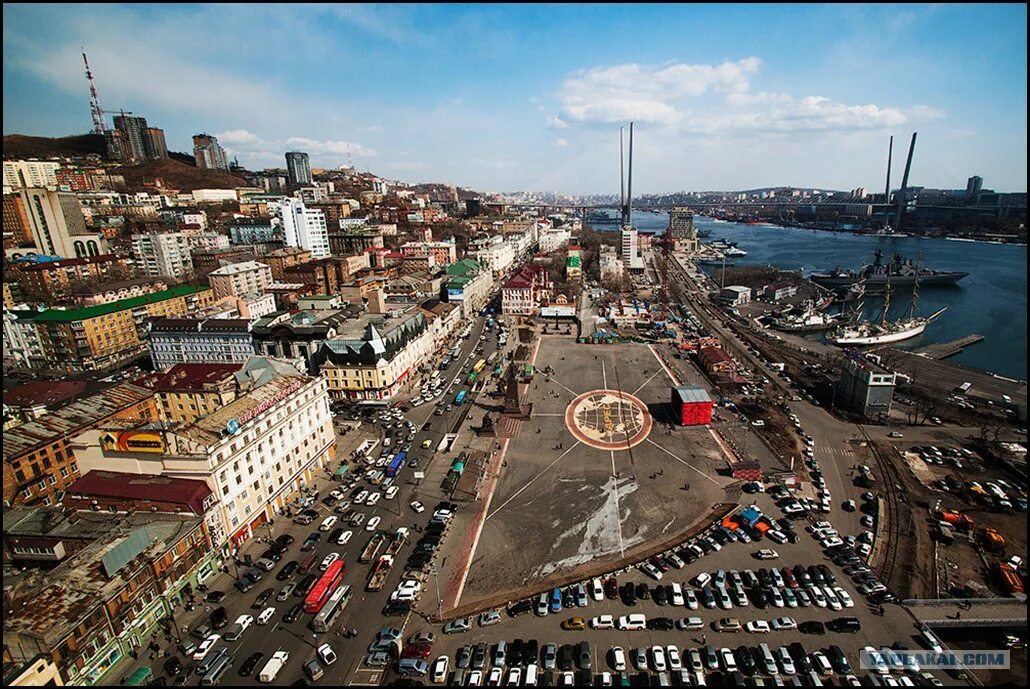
(187, 392)
(99, 337)
(443, 253)
(256, 453)
(304, 227)
(52, 281)
(371, 356)
(103, 601)
(21, 174)
(468, 285)
(174, 341)
(58, 225)
(525, 291)
(493, 253)
(163, 254)
(238, 279)
(38, 462)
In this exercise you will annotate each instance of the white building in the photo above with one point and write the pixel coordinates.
(20, 174)
(22, 345)
(237, 279)
(213, 195)
(304, 227)
(174, 341)
(493, 253)
(165, 254)
(630, 253)
(256, 453)
(553, 239)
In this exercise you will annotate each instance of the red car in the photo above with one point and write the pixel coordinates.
(660, 563)
(421, 650)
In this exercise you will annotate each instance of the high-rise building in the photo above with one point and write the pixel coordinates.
(973, 187)
(298, 167)
(163, 255)
(631, 248)
(304, 227)
(681, 222)
(19, 174)
(58, 226)
(208, 153)
(16, 219)
(155, 143)
(136, 136)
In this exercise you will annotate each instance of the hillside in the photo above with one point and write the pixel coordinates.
(20, 146)
(176, 175)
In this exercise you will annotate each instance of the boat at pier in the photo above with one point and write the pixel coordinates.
(898, 270)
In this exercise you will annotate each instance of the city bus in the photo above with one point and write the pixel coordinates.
(396, 464)
(459, 399)
(479, 365)
(330, 612)
(324, 588)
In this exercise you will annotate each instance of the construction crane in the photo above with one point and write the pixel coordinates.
(99, 126)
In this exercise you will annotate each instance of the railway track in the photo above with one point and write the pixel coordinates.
(893, 524)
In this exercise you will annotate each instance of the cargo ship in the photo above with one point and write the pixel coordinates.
(898, 271)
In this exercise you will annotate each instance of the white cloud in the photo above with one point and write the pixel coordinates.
(329, 146)
(556, 122)
(237, 136)
(561, 143)
(648, 94)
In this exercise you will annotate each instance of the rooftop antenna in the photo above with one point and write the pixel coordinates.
(99, 126)
(887, 187)
(904, 182)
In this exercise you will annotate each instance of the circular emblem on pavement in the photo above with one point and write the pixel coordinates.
(608, 419)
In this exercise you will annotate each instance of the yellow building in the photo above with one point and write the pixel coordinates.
(107, 335)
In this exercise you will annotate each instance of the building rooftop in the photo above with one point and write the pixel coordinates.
(49, 605)
(690, 394)
(43, 393)
(70, 262)
(198, 325)
(116, 484)
(235, 268)
(70, 419)
(84, 313)
(188, 377)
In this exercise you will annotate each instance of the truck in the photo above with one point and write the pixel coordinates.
(379, 573)
(372, 547)
(776, 366)
(1008, 578)
(273, 666)
(459, 399)
(398, 541)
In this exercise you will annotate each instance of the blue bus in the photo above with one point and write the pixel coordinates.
(459, 399)
(396, 464)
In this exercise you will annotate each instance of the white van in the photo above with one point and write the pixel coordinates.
(768, 660)
(328, 523)
(531, 673)
(266, 615)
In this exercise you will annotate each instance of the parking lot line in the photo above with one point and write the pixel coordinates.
(672, 376)
(683, 461)
(646, 382)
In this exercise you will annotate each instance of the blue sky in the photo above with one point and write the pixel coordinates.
(531, 97)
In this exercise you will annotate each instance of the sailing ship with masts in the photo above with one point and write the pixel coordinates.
(864, 333)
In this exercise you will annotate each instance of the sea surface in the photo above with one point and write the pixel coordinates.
(990, 301)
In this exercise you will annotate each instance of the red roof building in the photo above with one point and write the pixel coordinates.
(122, 492)
(715, 360)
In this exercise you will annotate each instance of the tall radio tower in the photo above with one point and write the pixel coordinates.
(99, 126)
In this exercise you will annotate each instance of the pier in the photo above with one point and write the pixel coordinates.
(942, 350)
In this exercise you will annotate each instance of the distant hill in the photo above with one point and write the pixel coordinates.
(19, 146)
(177, 175)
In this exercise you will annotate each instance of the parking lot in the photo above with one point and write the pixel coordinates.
(893, 626)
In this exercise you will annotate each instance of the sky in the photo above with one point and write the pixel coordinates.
(531, 97)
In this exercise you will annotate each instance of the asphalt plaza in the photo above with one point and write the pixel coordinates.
(596, 474)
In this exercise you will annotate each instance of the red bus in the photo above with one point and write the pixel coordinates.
(324, 588)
